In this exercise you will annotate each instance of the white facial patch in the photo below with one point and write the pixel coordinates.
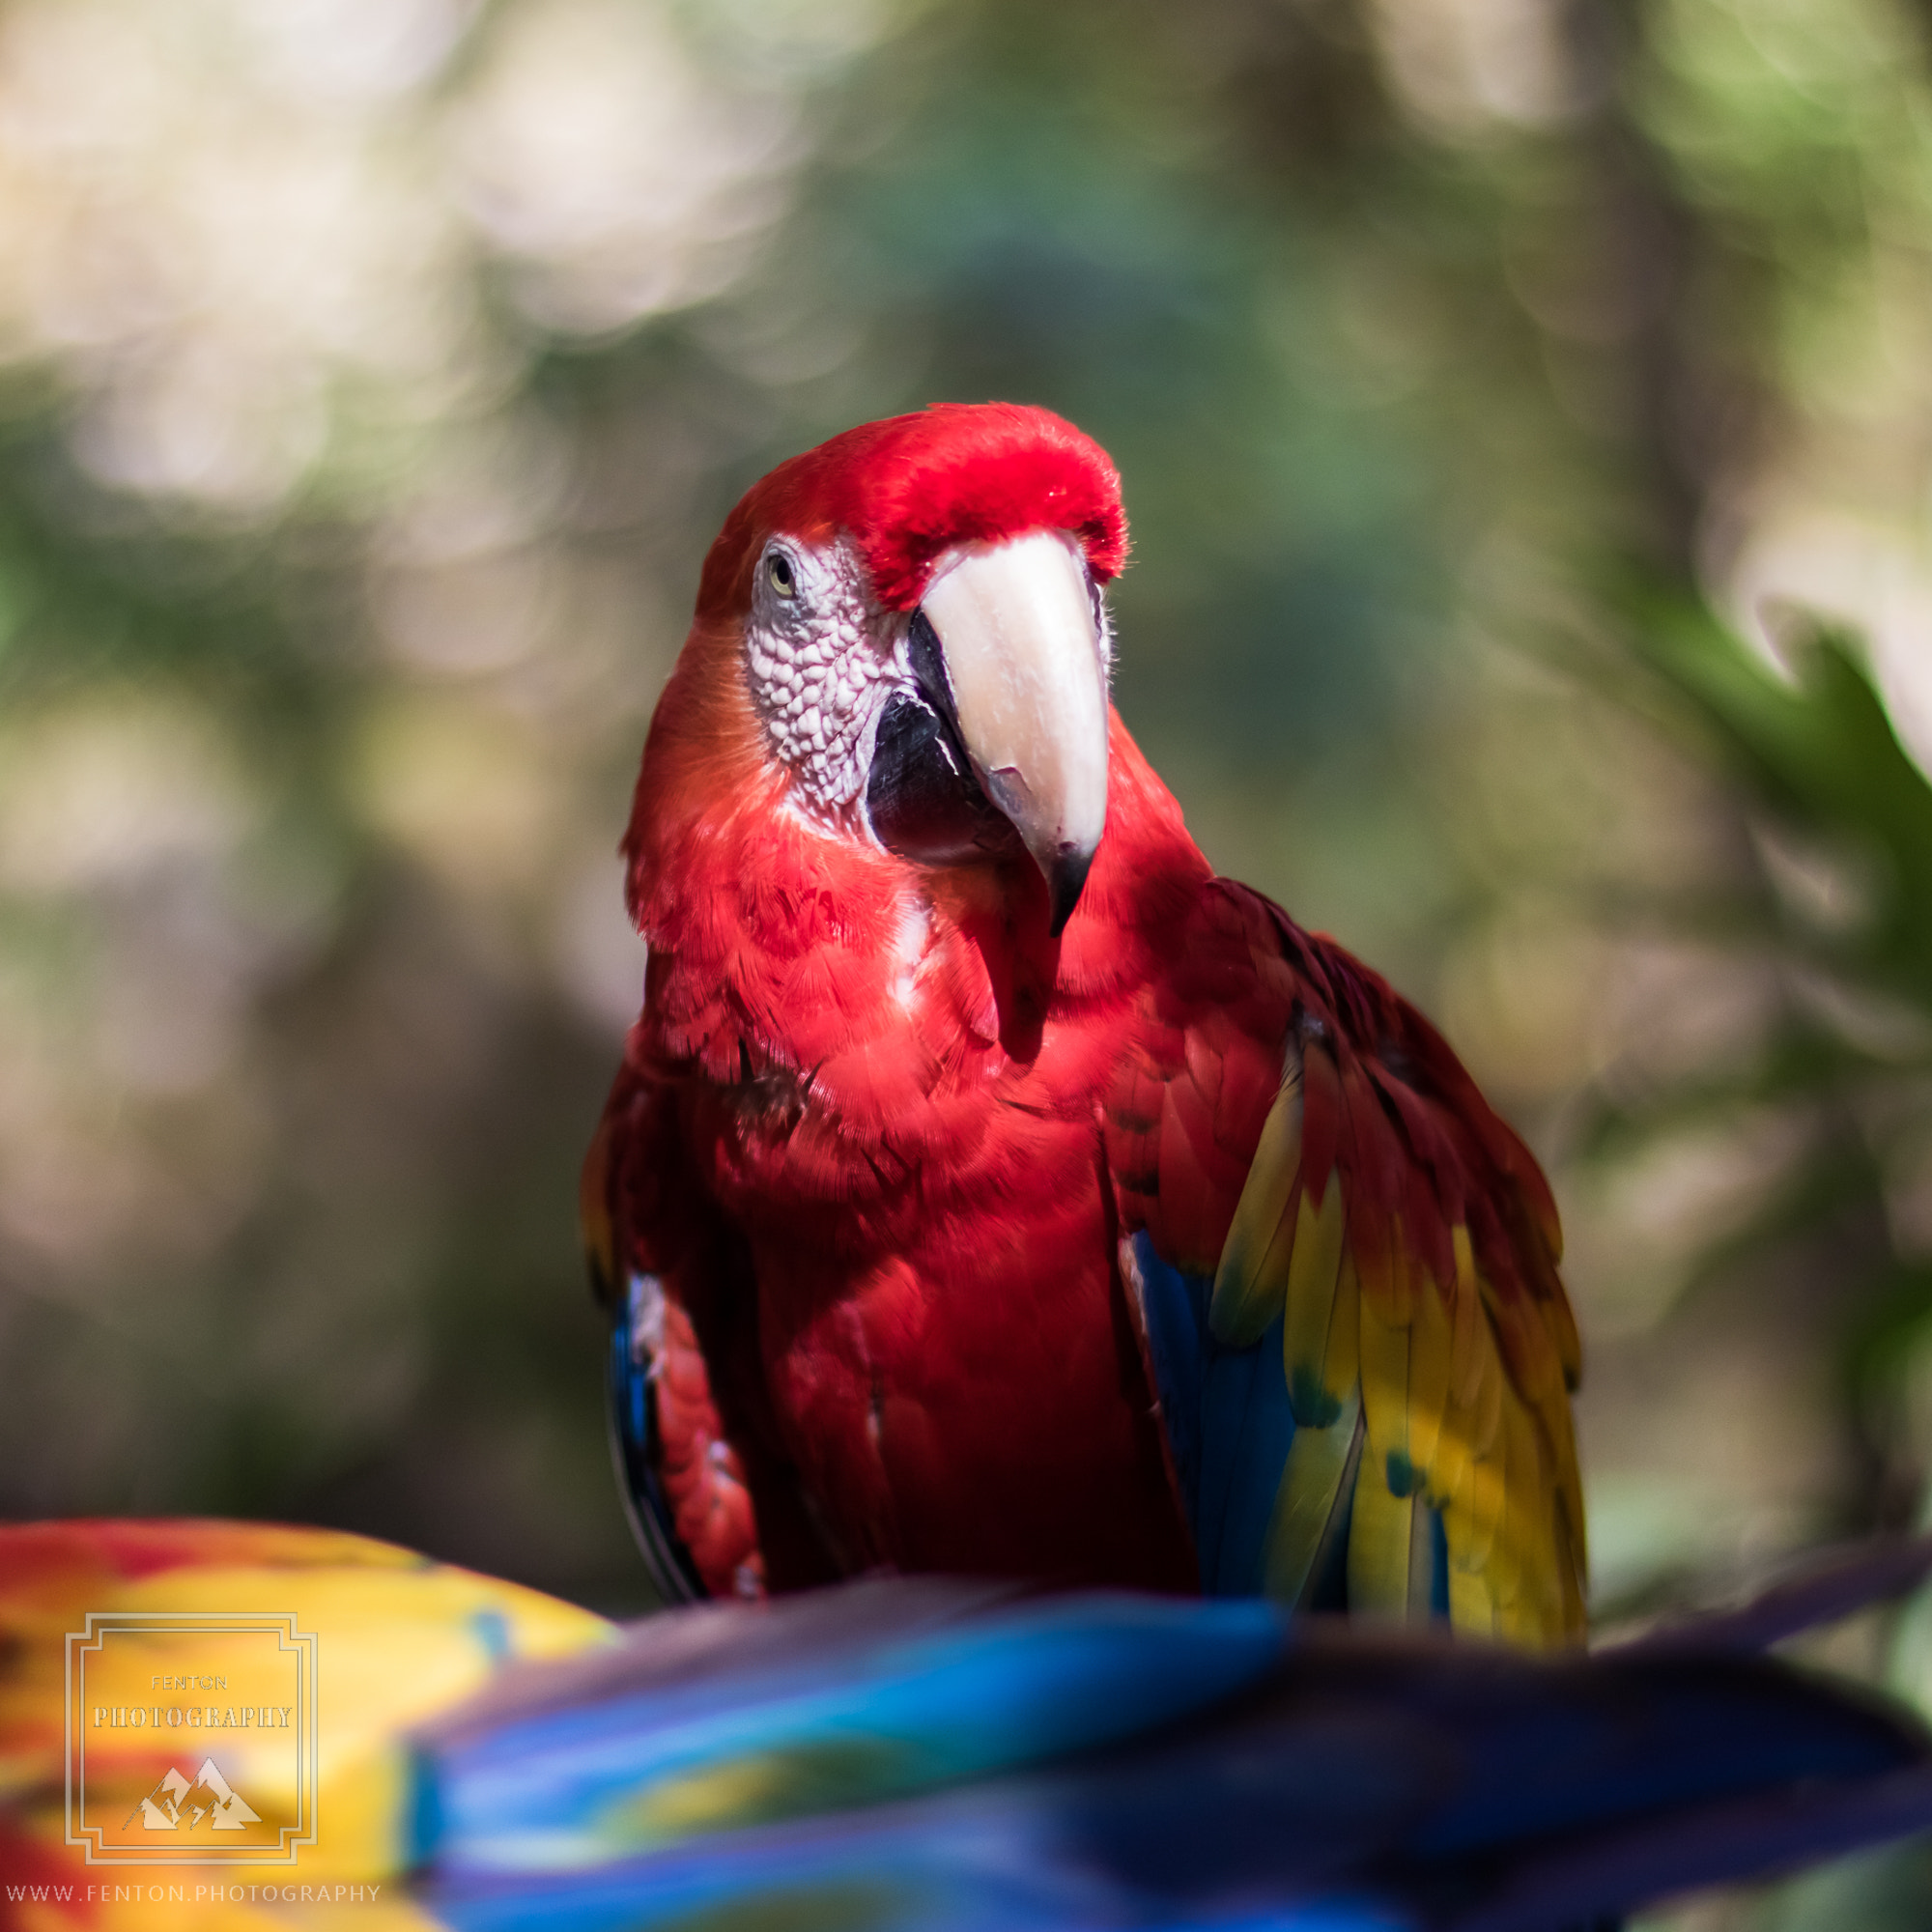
(822, 667)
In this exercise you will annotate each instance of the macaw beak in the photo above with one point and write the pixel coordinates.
(1023, 669)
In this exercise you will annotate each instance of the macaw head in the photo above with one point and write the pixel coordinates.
(913, 616)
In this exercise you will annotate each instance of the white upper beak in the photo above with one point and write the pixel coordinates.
(1016, 626)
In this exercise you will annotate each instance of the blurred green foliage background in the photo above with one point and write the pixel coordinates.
(1525, 411)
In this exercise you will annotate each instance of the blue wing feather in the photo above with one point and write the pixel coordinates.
(636, 1450)
(1438, 1575)
(1174, 1316)
(1228, 1419)
(1247, 1430)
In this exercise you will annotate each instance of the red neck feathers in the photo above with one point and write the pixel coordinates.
(779, 946)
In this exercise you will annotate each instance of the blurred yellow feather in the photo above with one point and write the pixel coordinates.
(399, 1638)
(1311, 1304)
(1248, 1282)
(1312, 1479)
(1430, 1345)
(1379, 1535)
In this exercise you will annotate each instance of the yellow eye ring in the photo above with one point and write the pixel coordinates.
(780, 573)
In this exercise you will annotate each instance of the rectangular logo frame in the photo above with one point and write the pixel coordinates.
(90, 1644)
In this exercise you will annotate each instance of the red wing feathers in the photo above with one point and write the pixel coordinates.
(717, 1500)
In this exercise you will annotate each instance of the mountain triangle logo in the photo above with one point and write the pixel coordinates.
(178, 1804)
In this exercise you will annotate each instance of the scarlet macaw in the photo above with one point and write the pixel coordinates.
(924, 1755)
(987, 1187)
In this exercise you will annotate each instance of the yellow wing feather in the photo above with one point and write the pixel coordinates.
(1431, 1340)
(1323, 1370)
(1310, 1294)
(1380, 1533)
(1439, 1402)
(1250, 1281)
(1320, 1464)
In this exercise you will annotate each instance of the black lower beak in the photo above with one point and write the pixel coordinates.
(922, 799)
(1066, 880)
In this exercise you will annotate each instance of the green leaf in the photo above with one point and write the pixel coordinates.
(1820, 755)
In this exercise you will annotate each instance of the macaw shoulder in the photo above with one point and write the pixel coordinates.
(1241, 999)
(1201, 1066)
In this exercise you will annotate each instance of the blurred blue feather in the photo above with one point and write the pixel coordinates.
(904, 1753)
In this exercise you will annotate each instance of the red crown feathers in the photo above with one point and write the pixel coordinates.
(911, 487)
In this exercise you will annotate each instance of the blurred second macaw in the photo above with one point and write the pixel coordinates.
(908, 1755)
(987, 1186)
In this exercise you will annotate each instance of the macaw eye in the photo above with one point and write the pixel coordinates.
(781, 575)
